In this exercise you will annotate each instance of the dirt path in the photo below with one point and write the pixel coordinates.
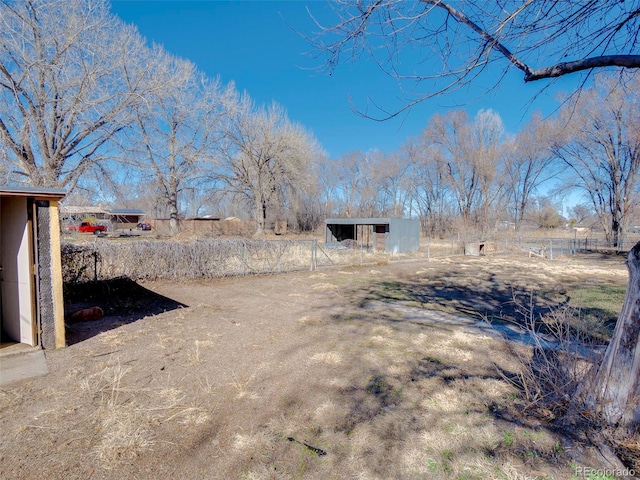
(302, 375)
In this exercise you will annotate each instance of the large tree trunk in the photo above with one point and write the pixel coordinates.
(173, 214)
(615, 392)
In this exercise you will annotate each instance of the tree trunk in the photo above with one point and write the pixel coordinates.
(260, 216)
(615, 392)
(173, 214)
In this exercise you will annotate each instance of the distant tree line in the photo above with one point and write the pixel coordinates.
(86, 105)
(468, 175)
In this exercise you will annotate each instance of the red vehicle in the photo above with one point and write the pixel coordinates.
(88, 227)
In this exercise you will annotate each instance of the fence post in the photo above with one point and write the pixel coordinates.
(551, 249)
(279, 257)
(95, 267)
(244, 257)
(313, 251)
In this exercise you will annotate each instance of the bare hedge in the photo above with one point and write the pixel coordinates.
(203, 258)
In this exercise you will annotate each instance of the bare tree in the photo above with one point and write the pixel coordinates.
(488, 135)
(581, 213)
(393, 181)
(469, 155)
(266, 158)
(599, 142)
(528, 165)
(353, 181)
(450, 135)
(176, 130)
(327, 171)
(455, 42)
(430, 192)
(62, 94)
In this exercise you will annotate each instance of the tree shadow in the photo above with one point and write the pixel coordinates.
(122, 300)
(493, 300)
(486, 296)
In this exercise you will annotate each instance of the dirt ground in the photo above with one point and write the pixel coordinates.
(373, 372)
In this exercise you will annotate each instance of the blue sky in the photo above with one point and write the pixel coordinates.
(250, 43)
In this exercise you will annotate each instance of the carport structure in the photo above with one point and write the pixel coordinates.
(31, 301)
(116, 218)
(388, 234)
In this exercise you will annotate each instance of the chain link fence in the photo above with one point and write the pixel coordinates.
(542, 247)
(106, 259)
(553, 247)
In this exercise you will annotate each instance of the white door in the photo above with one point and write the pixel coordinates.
(16, 276)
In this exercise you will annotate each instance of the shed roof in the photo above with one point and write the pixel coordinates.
(125, 211)
(81, 209)
(102, 210)
(360, 221)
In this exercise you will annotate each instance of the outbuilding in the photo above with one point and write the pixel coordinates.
(388, 234)
(31, 300)
(115, 218)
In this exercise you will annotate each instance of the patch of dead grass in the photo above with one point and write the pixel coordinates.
(324, 286)
(327, 358)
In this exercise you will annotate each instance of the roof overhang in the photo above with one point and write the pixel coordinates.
(358, 221)
(36, 192)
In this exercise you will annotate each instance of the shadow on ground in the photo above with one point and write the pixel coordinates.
(122, 301)
(481, 295)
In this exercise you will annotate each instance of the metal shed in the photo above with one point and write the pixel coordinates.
(389, 234)
(31, 301)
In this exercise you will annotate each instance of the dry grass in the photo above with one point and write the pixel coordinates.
(364, 370)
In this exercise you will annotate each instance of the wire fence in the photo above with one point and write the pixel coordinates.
(553, 247)
(542, 247)
(105, 259)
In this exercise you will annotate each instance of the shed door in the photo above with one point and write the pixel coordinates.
(381, 237)
(16, 279)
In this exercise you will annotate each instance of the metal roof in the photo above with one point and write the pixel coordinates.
(359, 221)
(125, 211)
(102, 210)
(81, 209)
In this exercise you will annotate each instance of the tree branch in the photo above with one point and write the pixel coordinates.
(490, 39)
(628, 61)
(530, 75)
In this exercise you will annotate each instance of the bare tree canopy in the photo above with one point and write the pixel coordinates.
(176, 130)
(439, 46)
(266, 159)
(528, 165)
(62, 89)
(598, 140)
